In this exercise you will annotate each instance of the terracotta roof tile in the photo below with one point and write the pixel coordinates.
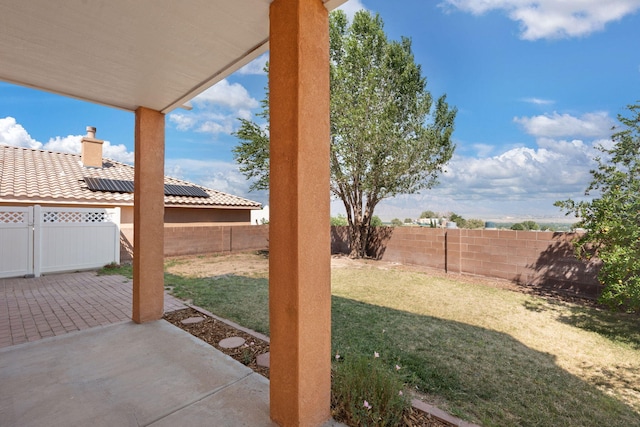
(44, 176)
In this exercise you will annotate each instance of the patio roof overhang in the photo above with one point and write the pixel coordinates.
(129, 54)
(152, 56)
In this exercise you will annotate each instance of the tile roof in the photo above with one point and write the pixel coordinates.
(37, 176)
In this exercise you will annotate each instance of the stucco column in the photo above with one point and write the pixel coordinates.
(148, 217)
(299, 239)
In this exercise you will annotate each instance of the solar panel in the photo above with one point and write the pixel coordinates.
(184, 190)
(122, 186)
(110, 185)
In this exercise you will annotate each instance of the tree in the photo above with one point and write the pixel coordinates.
(387, 135)
(395, 222)
(474, 223)
(408, 220)
(252, 154)
(376, 221)
(459, 220)
(428, 214)
(526, 226)
(339, 220)
(612, 218)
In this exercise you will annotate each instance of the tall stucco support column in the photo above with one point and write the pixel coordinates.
(148, 217)
(299, 239)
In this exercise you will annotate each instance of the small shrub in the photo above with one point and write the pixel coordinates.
(111, 266)
(367, 393)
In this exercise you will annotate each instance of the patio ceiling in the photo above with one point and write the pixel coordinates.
(126, 54)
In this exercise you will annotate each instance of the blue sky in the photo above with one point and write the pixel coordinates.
(537, 84)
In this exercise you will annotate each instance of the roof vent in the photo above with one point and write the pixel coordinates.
(91, 149)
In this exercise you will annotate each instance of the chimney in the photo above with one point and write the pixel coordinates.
(91, 149)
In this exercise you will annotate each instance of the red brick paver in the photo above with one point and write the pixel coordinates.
(31, 309)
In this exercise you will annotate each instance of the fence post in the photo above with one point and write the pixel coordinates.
(452, 262)
(37, 240)
(115, 218)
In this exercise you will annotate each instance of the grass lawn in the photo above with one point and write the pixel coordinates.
(488, 355)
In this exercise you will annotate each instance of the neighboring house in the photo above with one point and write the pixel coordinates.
(31, 177)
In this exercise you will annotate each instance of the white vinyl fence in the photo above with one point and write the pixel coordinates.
(36, 240)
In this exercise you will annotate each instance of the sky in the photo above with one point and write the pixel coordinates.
(538, 86)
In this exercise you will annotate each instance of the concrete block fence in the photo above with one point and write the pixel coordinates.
(542, 260)
(202, 239)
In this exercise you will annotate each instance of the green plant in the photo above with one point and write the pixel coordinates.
(475, 223)
(612, 218)
(395, 222)
(376, 221)
(247, 356)
(125, 270)
(339, 220)
(365, 392)
(428, 214)
(459, 220)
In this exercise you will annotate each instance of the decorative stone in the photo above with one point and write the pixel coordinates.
(263, 360)
(231, 342)
(192, 320)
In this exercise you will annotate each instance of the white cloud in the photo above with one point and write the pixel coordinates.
(118, 152)
(539, 101)
(73, 144)
(520, 182)
(68, 144)
(226, 95)
(542, 19)
(216, 110)
(13, 134)
(483, 150)
(183, 121)
(591, 125)
(256, 66)
(351, 7)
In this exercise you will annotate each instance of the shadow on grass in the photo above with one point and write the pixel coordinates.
(618, 327)
(482, 375)
(485, 376)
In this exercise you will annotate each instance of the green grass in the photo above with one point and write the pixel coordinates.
(488, 355)
(244, 300)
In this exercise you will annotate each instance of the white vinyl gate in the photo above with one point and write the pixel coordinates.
(35, 240)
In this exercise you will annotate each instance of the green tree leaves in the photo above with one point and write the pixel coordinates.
(387, 136)
(612, 218)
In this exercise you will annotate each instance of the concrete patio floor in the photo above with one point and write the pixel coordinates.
(70, 357)
(128, 375)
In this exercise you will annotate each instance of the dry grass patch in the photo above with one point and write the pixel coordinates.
(524, 348)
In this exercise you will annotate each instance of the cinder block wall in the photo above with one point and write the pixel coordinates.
(411, 245)
(536, 259)
(202, 239)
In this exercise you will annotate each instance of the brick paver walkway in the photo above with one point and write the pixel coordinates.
(31, 309)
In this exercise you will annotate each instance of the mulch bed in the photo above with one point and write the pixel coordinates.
(212, 331)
